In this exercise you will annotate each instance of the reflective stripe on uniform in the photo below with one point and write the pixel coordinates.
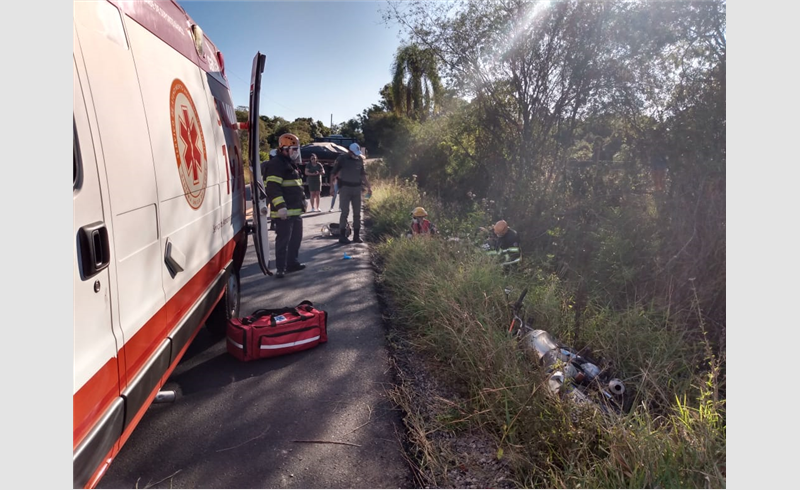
(275, 178)
(278, 200)
(290, 212)
(292, 183)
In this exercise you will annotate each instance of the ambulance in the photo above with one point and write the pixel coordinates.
(159, 229)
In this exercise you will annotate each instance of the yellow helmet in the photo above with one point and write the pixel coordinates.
(419, 212)
(288, 139)
(500, 228)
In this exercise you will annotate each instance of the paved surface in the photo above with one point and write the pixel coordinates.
(234, 424)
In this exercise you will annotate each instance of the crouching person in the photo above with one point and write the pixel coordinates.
(420, 225)
(505, 244)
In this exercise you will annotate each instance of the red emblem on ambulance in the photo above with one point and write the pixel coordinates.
(190, 146)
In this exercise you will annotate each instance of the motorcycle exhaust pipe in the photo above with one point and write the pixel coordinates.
(616, 387)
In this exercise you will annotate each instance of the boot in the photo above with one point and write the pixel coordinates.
(296, 267)
(343, 238)
(356, 237)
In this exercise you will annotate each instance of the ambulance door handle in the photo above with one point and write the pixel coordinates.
(94, 248)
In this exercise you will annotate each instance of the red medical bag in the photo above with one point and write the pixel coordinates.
(275, 332)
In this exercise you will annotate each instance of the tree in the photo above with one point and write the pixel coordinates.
(243, 115)
(303, 127)
(534, 68)
(319, 130)
(387, 100)
(352, 129)
(416, 86)
(386, 133)
(549, 81)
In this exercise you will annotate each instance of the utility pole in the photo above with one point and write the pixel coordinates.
(331, 122)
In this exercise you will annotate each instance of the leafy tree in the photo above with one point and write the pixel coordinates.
(319, 130)
(243, 115)
(387, 99)
(386, 133)
(352, 129)
(416, 86)
(304, 127)
(559, 111)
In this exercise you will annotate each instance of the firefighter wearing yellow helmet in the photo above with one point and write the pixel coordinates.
(420, 225)
(286, 196)
(505, 244)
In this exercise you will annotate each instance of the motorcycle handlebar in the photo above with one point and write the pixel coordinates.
(518, 304)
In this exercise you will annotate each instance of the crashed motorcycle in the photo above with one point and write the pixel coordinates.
(569, 374)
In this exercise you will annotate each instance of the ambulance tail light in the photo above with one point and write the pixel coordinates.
(221, 60)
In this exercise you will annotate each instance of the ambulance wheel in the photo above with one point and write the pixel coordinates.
(227, 308)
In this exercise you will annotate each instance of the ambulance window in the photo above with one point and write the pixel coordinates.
(76, 159)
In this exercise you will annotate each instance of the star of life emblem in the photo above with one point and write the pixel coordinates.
(189, 143)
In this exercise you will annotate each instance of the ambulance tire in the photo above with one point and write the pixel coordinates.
(227, 308)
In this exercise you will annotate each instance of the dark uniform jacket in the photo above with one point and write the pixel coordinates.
(284, 186)
(507, 246)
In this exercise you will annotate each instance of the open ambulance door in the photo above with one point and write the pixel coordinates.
(258, 192)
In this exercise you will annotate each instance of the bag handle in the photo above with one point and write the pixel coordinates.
(279, 311)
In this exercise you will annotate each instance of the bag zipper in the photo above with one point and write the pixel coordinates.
(287, 333)
(287, 322)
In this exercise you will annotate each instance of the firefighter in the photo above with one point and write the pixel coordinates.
(505, 244)
(287, 201)
(420, 225)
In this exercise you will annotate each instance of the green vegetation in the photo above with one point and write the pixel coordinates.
(270, 130)
(416, 88)
(597, 130)
(449, 299)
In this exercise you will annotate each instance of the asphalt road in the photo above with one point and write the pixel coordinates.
(237, 424)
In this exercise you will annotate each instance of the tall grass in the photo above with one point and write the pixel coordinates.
(449, 299)
(391, 205)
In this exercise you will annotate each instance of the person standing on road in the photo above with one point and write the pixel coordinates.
(314, 173)
(350, 174)
(287, 200)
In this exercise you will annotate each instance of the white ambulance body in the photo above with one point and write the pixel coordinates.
(158, 212)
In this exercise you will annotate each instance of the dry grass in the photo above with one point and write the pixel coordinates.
(449, 309)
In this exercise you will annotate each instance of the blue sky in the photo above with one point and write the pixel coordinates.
(323, 57)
